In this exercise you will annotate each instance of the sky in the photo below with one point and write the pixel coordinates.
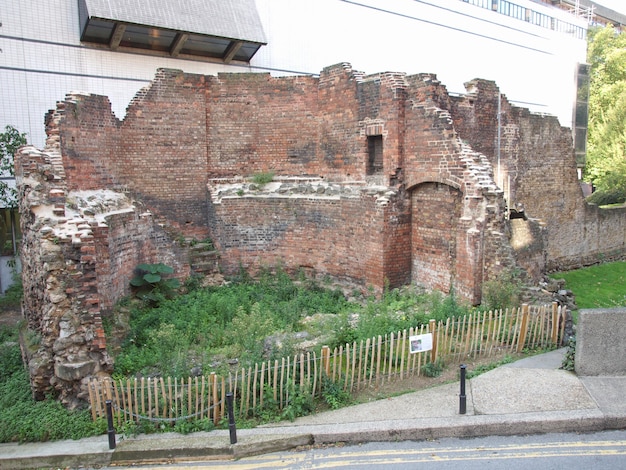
(617, 5)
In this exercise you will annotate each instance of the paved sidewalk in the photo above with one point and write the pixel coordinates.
(529, 396)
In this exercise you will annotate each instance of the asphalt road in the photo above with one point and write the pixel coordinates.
(606, 450)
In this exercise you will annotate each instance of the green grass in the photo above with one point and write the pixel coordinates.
(600, 286)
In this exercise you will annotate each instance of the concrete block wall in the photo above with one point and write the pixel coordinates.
(600, 345)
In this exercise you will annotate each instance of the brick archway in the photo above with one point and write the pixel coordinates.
(435, 212)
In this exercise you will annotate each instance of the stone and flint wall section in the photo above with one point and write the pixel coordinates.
(378, 180)
(79, 251)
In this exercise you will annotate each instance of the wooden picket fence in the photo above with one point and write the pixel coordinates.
(354, 367)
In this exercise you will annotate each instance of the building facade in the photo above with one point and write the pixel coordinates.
(114, 48)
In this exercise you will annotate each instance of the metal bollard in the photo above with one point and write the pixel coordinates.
(231, 418)
(462, 398)
(111, 429)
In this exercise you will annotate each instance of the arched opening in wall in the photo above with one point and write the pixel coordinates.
(436, 210)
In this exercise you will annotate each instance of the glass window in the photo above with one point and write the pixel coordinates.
(205, 45)
(98, 31)
(147, 38)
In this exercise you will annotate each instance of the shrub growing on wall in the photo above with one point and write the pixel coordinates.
(151, 284)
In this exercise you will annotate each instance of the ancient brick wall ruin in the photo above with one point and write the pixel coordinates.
(377, 180)
(79, 251)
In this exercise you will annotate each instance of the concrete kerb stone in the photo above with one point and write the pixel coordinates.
(203, 446)
(469, 426)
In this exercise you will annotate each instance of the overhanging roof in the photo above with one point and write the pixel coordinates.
(228, 30)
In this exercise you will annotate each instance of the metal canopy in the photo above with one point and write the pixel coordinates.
(226, 30)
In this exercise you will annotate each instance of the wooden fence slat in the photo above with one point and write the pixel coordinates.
(445, 346)
(308, 368)
(554, 333)
(523, 328)
(197, 397)
(222, 412)
(155, 384)
(268, 371)
(254, 386)
(403, 354)
(149, 389)
(468, 335)
(378, 353)
(326, 360)
(340, 363)
(295, 369)
(116, 411)
(202, 396)
(275, 380)
(399, 352)
(360, 365)
(354, 365)
(432, 327)
(483, 338)
(347, 376)
(501, 321)
(490, 333)
(366, 363)
(91, 389)
(302, 383)
(170, 398)
(315, 377)
(511, 329)
(282, 377)
(459, 337)
(215, 398)
(244, 394)
(261, 383)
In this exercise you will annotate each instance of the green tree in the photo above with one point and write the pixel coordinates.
(606, 141)
(10, 140)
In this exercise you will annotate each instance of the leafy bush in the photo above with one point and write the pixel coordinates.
(333, 394)
(608, 196)
(432, 369)
(502, 292)
(10, 141)
(299, 402)
(151, 285)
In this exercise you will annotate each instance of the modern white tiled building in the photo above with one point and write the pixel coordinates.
(50, 48)
(531, 49)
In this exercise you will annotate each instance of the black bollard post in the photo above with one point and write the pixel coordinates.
(462, 398)
(111, 429)
(231, 418)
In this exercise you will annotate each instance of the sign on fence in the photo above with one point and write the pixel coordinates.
(421, 343)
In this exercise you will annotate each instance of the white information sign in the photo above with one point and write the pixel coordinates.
(420, 343)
